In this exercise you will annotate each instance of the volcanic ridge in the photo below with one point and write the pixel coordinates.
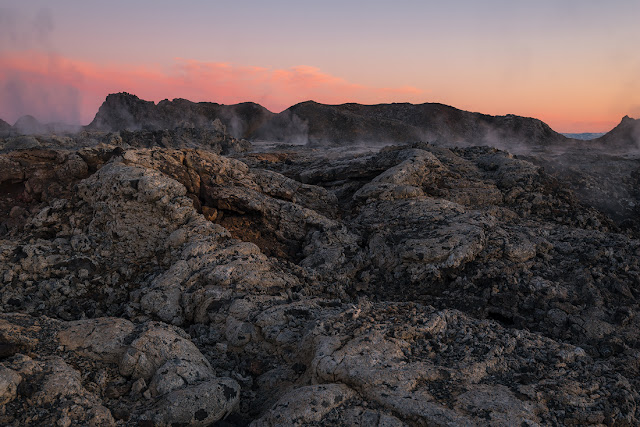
(187, 263)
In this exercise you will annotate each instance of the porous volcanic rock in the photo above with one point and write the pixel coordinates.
(412, 285)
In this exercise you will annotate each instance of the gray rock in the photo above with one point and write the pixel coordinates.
(199, 405)
(306, 405)
(9, 382)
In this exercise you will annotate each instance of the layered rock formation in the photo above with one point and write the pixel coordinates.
(154, 284)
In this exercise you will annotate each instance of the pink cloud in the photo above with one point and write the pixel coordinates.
(55, 88)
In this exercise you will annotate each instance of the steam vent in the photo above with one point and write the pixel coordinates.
(181, 263)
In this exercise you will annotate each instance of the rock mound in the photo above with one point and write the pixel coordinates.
(29, 125)
(624, 136)
(401, 123)
(123, 111)
(5, 128)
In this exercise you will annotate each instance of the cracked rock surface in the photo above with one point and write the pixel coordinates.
(165, 284)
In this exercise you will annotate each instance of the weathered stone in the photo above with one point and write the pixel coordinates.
(9, 382)
(306, 405)
(199, 405)
(386, 287)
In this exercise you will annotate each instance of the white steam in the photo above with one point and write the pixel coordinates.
(25, 93)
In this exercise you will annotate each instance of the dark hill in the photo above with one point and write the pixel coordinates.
(625, 135)
(320, 124)
(5, 128)
(123, 111)
(352, 123)
(29, 125)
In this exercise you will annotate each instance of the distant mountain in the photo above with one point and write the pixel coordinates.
(5, 128)
(314, 123)
(28, 125)
(626, 134)
(587, 136)
(319, 124)
(399, 123)
(123, 111)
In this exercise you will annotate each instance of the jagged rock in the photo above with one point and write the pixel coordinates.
(446, 369)
(402, 286)
(63, 385)
(123, 111)
(200, 405)
(180, 376)
(306, 405)
(9, 382)
(5, 128)
(214, 140)
(160, 355)
(623, 137)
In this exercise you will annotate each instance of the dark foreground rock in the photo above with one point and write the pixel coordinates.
(418, 285)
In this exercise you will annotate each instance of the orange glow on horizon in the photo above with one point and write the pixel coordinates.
(55, 88)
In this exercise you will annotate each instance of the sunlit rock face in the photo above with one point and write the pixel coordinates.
(150, 278)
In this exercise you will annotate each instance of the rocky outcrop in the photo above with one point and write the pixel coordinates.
(123, 111)
(408, 286)
(602, 177)
(90, 370)
(29, 125)
(5, 128)
(214, 140)
(625, 136)
(320, 124)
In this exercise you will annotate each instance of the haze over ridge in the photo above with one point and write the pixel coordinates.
(566, 64)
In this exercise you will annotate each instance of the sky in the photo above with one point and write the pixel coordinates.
(573, 64)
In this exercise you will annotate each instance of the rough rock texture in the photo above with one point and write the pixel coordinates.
(321, 124)
(89, 371)
(605, 178)
(215, 139)
(413, 285)
(123, 111)
(625, 136)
